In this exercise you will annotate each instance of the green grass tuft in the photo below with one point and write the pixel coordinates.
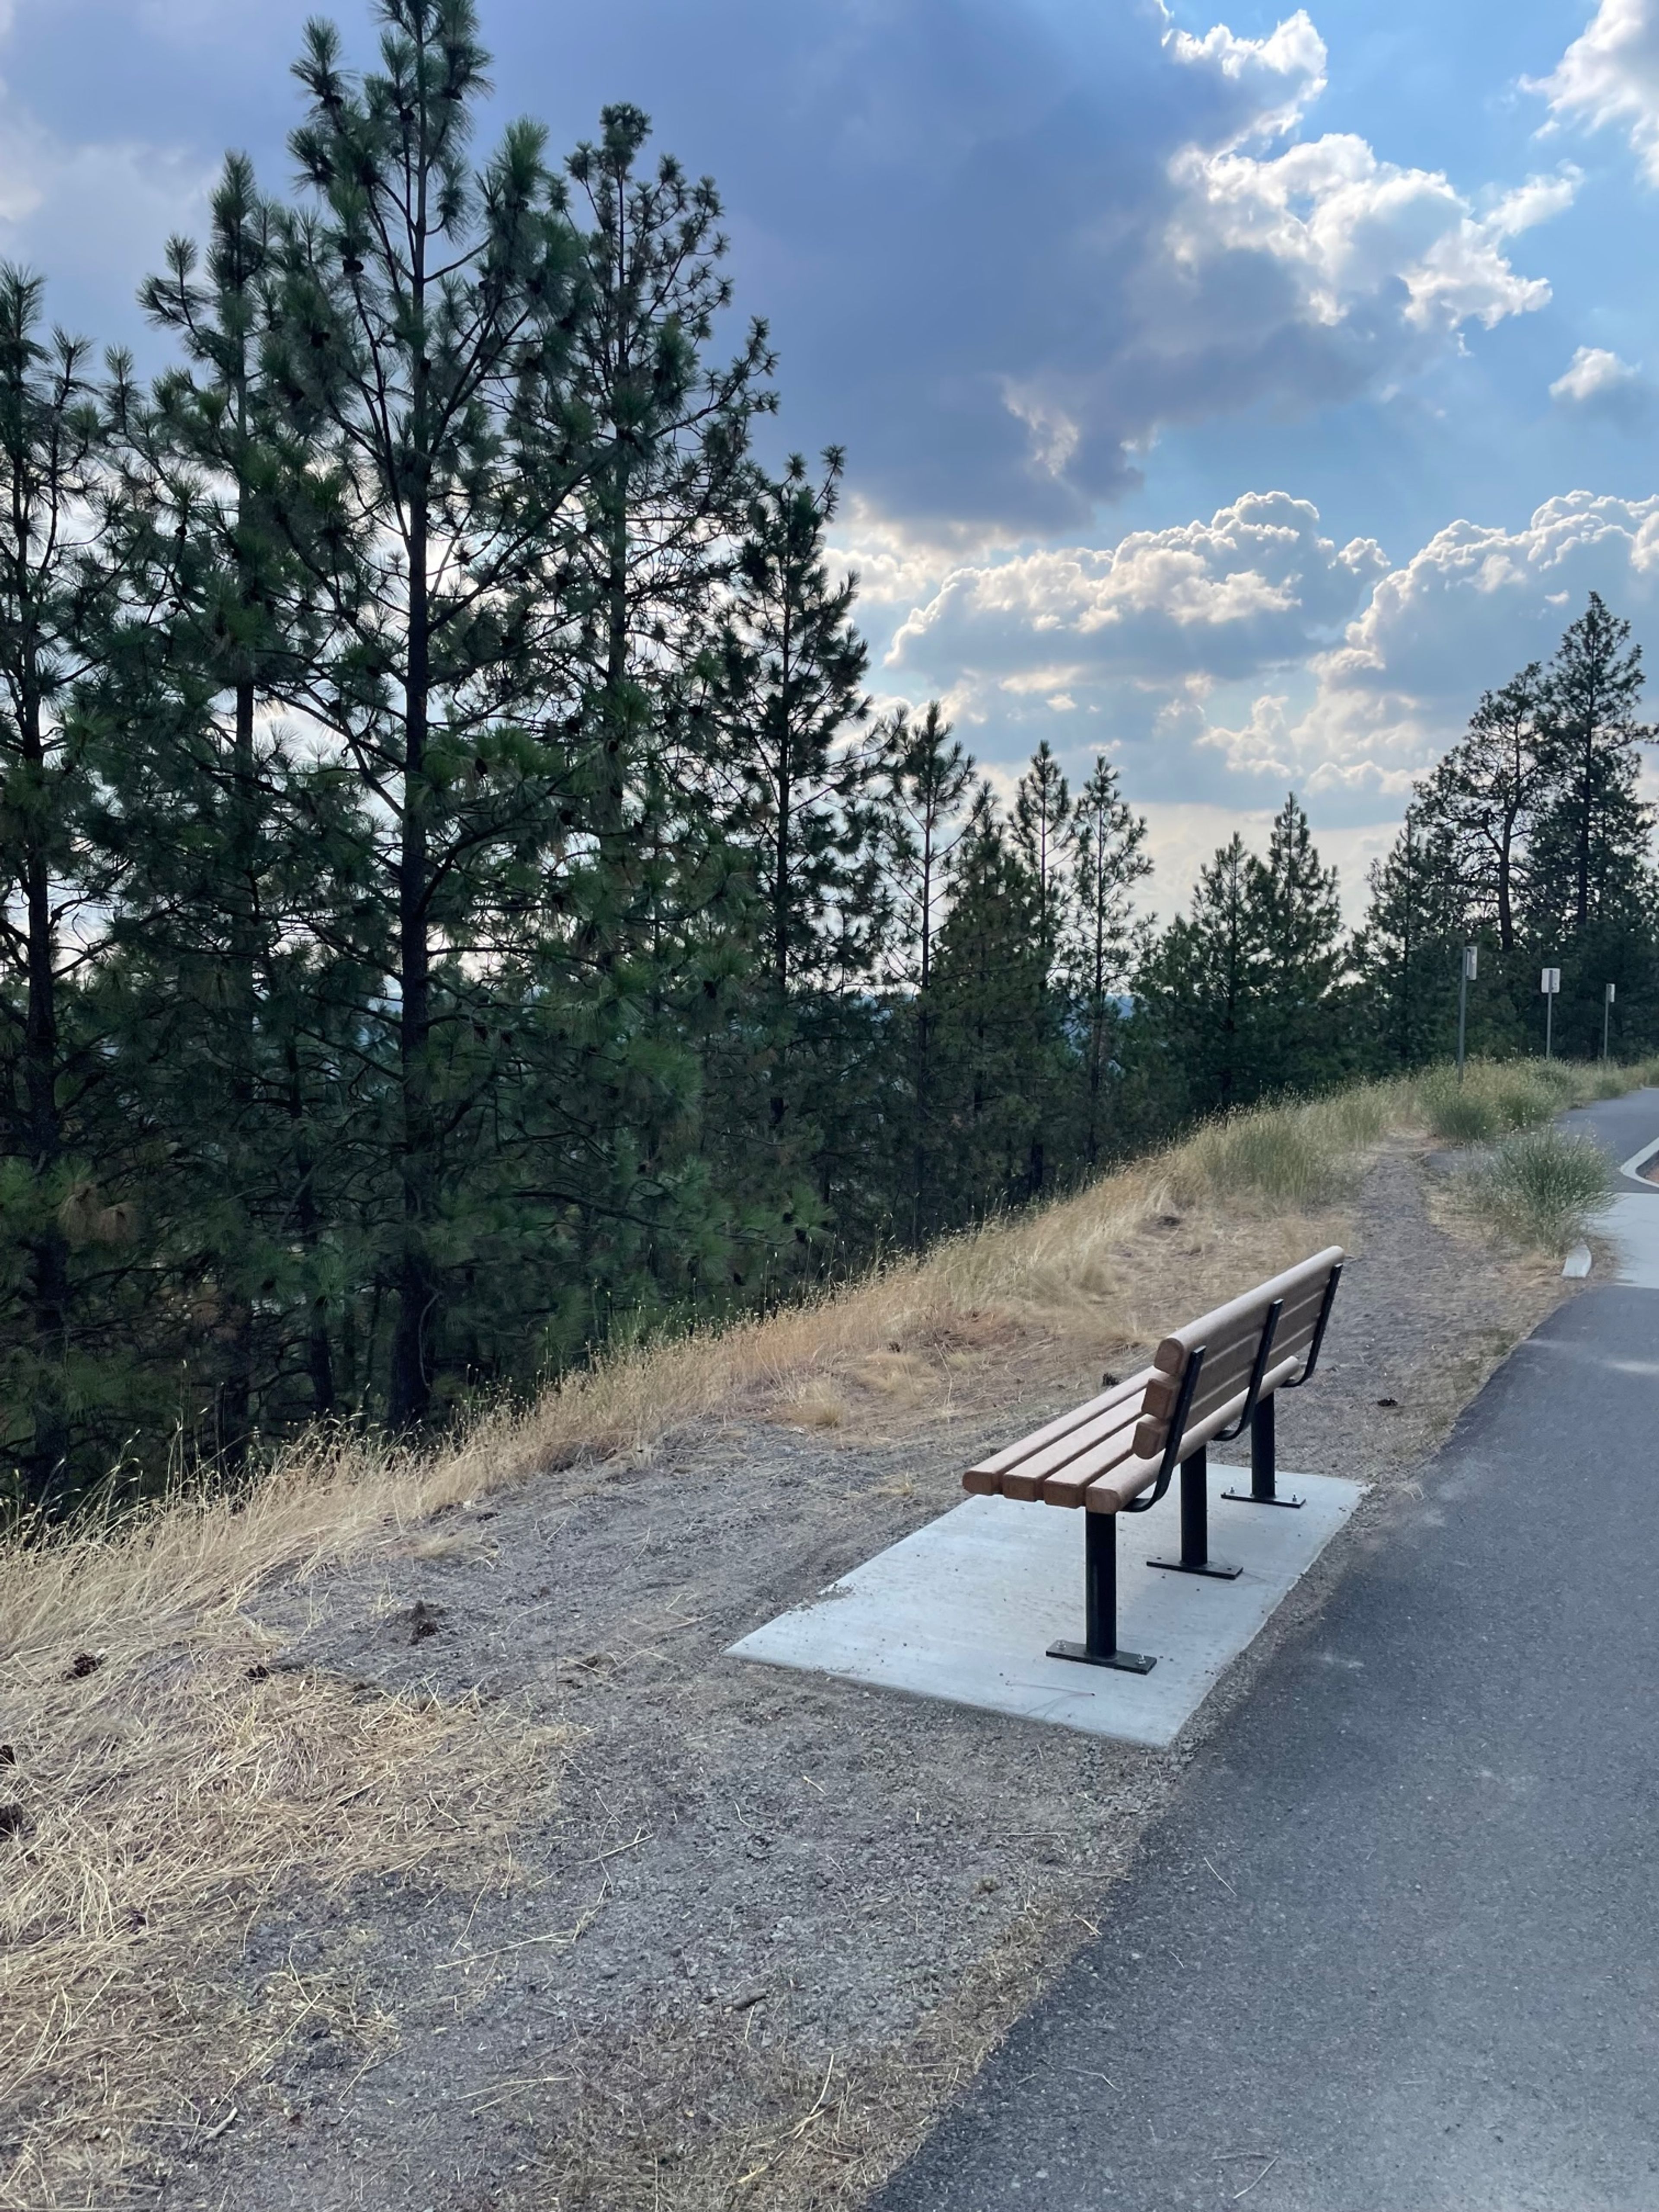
(1540, 1188)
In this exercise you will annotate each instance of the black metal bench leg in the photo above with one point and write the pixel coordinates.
(1195, 1524)
(1264, 1463)
(1100, 1647)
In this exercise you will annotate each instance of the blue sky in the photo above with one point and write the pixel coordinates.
(1239, 393)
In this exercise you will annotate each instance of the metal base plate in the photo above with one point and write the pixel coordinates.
(1217, 1569)
(1127, 1662)
(1249, 1497)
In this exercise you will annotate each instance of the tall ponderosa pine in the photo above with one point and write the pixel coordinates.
(628, 927)
(1303, 957)
(420, 340)
(53, 454)
(1205, 980)
(790, 708)
(1041, 824)
(664, 474)
(1589, 840)
(230, 840)
(1485, 795)
(1108, 841)
(929, 776)
(998, 1034)
(1406, 949)
(790, 698)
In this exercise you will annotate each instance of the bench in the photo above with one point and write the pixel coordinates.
(1118, 1453)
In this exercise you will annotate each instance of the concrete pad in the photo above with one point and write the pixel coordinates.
(965, 1608)
(1631, 1225)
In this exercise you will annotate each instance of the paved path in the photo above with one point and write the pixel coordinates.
(1396, 1947)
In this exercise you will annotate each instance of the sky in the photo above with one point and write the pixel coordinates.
(1236, 397)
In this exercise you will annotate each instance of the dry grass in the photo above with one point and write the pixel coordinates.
(1540, 1189)
(161, 1796)
(163, 1784)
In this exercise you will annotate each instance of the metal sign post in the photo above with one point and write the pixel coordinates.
(1550, 986)
(1470, 954)
(1607, 1009)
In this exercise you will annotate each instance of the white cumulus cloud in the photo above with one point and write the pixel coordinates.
(1255, 586)
(1351, 229)
(1471, 606)
(1280, 76)
(1598, 383)
(1610, 75)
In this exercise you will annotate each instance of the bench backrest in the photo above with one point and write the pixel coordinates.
(1231, 1342)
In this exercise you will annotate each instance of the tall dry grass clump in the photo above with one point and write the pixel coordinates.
(1541, 1189)
(1497, 1097)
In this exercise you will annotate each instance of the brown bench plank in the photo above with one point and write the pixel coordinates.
(1116, 1489)
(985, 1476)
(1223, 1325)
(1066, 1486)
(1026, 1481)
(1227, 1368)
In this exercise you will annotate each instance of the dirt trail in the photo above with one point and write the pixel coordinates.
(773, 1919)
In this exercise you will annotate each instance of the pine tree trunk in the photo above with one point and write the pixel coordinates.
(924, 1055)
(236, 1392)
(319, 1352)
(1584, 814)
(783, 858)
(409, 1396)
(48, 1277)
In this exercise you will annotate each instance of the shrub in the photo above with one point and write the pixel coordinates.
(1461, 1114)
(1293, 1156)
(1540, 1188)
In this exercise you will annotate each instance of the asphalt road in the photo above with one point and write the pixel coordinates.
(1396, 1945)
(1622, 1126)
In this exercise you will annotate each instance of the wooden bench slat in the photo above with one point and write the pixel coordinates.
(1069, 1482)
(1227, 1369)
(1026, 1481)
(988, 1471)
(1213, 1328)
(1116, 1489)
(1072, 1484)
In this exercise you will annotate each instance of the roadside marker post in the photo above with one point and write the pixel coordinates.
(1606, 1010)
(1550, 986)
(1471, 953)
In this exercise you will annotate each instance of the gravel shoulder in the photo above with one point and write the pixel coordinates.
(767, 1922)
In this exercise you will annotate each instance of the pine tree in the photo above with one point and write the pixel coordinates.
(1408, 948)
(790, 695)
(1589, 840)
(1042, 826)
(1485, 795)
(53, 481)
(661, 458)
(230, 841)
(997, 1038)
(789, 707)
(1205, 982)
(627, 937)
(1304, 957)
(928, 775)
(1103, 946)
(418, 346)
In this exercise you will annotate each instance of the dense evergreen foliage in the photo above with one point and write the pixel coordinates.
(459, 904)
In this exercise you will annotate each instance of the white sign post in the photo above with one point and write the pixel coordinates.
(1550, 986)
(1606, 1010)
